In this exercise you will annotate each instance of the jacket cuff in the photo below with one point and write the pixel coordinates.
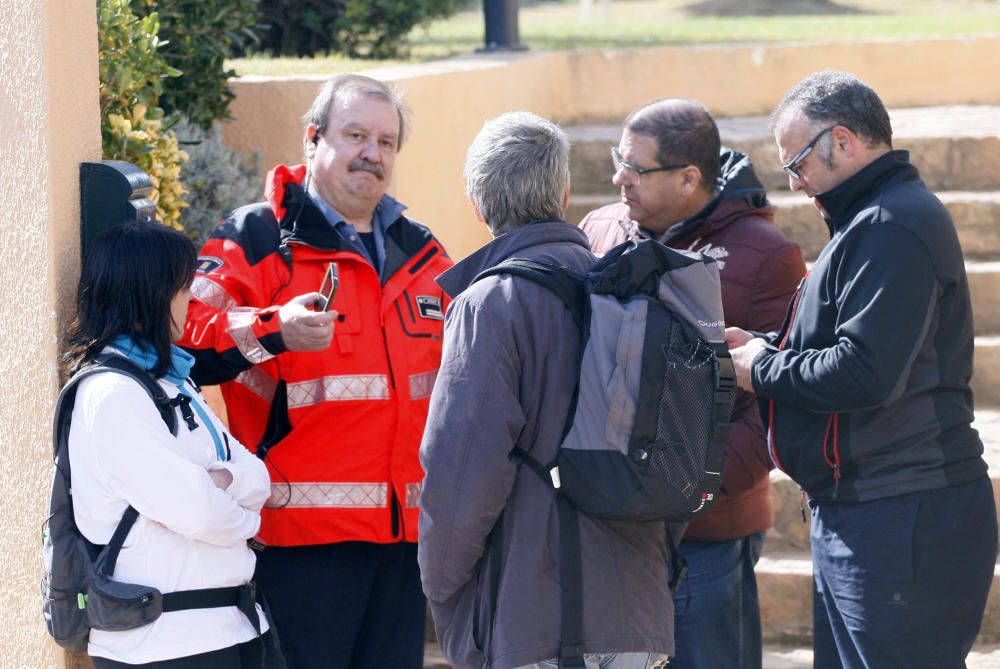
(256, 332)
(756, 372)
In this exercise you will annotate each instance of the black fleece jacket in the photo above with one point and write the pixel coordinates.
(869, 396)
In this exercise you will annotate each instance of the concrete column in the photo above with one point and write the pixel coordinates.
(49, 123)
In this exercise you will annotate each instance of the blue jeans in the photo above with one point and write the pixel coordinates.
(717, 614)
(901, 582)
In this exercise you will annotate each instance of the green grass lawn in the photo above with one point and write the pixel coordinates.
(638, 23)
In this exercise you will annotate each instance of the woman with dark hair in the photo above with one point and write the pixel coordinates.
(198, 493)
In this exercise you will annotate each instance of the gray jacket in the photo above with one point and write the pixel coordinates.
(489, 537)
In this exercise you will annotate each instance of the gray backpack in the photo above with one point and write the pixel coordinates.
(78, 589)
(646, 430)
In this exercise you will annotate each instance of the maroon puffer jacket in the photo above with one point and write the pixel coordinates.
(760, 269)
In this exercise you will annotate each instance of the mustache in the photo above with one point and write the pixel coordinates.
(363, 165)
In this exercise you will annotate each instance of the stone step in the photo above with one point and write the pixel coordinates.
(775, 657)
(785, 571)
(433, 659)
(790, 534)
(980, 237)
(785, 587)
(984, 284)
(976, 216)
(986, 373)
(782, 657)
(955, 147)
(580, 205)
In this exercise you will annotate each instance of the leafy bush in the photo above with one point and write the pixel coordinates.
(133, 127)
(217, 179)
(358, 28)
(197, 36)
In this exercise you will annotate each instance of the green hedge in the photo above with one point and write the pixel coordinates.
(197, 36)
(357, 28)
(217, 179)
(133, 126)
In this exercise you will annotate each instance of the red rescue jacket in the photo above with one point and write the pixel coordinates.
(341, 427)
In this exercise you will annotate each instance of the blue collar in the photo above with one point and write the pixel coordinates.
(143, 355)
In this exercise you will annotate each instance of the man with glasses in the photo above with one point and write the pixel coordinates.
(680, 187)
(866, 393)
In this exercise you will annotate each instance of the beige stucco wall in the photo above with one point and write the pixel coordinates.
(450, 100)
(48, 125)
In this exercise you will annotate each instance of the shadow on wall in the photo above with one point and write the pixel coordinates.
(768, 8)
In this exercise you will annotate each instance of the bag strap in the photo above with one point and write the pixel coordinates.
(243, 597)
(566, 284)
(571, 575)
(571, 289)
(678, 565)
(114, 546)
(117, 364)
(724, 396)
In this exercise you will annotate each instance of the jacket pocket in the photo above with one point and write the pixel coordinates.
(420, 313)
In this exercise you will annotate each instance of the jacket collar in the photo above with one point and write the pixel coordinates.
(739, 193)
(461, 276)
(302, 220)
(845, 200)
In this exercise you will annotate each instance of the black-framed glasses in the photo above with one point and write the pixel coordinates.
(620, 164)
(791, 167)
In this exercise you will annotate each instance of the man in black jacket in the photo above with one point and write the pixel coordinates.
(865, 391)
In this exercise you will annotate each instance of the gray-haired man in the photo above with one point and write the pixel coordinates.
(489, 535)
(335, 400)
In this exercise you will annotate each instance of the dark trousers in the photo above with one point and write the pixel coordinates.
(901, 582)
(247, 655)
(716, 609)
(350, 605)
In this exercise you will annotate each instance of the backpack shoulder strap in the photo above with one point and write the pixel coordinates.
(122, 365)
(60, 431)
(119, 365)
(566, 284)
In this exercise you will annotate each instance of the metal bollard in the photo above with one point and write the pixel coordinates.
(501, 26)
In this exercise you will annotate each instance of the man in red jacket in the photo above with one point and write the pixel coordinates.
(335, 401)
(679, 186)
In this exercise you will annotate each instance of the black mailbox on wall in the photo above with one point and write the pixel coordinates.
(112, 192)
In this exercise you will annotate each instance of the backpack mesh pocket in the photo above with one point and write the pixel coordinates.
(684, 420)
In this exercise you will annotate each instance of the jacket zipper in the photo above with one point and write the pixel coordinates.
(832, 423)
(771, 444)
(396, 514)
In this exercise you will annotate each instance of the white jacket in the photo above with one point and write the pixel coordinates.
(190, 534)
